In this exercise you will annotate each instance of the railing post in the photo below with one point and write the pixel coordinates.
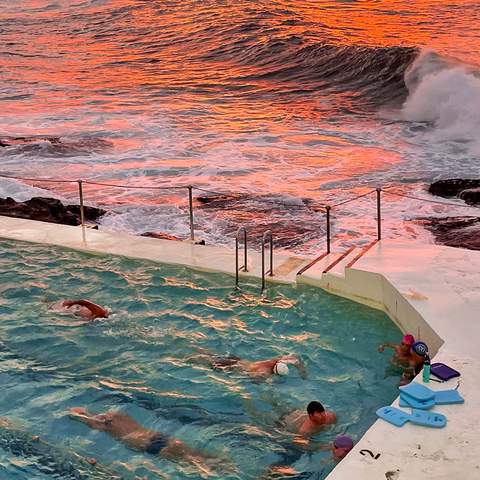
(328, 208)
(267, 234)
(379, 216)
(82, 212)
(245, 266)
(190, 207)
(236, 261)
(271, 255)
(263, 266)
(80, 194)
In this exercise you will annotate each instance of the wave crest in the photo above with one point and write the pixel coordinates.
(446, 94)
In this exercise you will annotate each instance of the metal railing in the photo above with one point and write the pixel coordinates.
(327, 209)
(244, 267)
(267, 236)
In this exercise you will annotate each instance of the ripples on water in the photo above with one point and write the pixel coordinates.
(291, 102)
(137, 362)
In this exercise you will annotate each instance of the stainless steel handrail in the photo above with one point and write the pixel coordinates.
(267, 234)
(244, 267)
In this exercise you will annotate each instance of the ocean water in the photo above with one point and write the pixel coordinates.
(137, 362)
(293, 104)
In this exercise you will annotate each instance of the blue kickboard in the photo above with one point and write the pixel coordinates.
(417, 391)
(448, 397)
(393, 415)
(428, 419)
(407, 401)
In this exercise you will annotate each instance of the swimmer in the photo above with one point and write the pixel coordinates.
(402, 354)
(128, 431)
(85, 309)
(261, 369)
(311, 422)
(340, 447)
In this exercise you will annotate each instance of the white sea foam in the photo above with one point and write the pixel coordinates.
(21, 192)
(445, 94)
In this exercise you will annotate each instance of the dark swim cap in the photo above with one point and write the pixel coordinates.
(343, 441)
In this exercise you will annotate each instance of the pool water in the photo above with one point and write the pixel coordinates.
(137, 361)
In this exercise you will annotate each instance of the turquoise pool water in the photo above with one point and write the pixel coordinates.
(136, 361)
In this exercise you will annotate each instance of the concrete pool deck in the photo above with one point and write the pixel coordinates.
(430, 291)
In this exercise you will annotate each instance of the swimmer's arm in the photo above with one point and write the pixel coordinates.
(292, 359)
(96, 310)
(88, 419)
(301, 369)
(381, 347)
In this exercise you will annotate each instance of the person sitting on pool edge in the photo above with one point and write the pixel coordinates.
(260, 369)
(311, 422)
(128, 431)
(85, 309)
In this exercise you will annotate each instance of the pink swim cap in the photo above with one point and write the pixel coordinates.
(408, 339)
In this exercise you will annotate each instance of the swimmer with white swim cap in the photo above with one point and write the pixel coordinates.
(256, 369)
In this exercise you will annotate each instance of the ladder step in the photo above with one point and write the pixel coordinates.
(339, 259)
(362, 253)
(312, 263)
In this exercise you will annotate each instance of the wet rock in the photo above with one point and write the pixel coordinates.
(460, 232)
(161, 236)
(167, 236)
(259, 213)
(14, 141)
(47, 209)
(470, 196)
(54, 146)
(453, 187)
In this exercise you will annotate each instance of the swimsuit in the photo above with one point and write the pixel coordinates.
(157, 443)
(225, 363)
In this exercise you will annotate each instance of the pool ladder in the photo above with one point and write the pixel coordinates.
(267, 237)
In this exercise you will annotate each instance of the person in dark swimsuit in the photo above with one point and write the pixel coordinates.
(259, 370)
(128, 431)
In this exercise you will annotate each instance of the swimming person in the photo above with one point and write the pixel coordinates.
(340, 447)
(310, 422)
(51, 460)
(128, 431)
(261, 369)
(83, 308)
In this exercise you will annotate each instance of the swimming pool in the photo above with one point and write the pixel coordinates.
(136, 361)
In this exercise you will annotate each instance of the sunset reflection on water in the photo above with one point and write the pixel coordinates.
(289, 98)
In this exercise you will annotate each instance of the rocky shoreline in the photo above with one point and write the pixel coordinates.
(461, 232)
(46, 209)
(458, 231)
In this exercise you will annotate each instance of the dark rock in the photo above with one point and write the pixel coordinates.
(167, 236)
(461, 232)
(47, 209)
(470, 196)
(13, 141)
(452, 187)
(161, 236)
(259, 213)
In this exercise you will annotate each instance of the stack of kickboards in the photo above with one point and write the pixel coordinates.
(420, 398)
